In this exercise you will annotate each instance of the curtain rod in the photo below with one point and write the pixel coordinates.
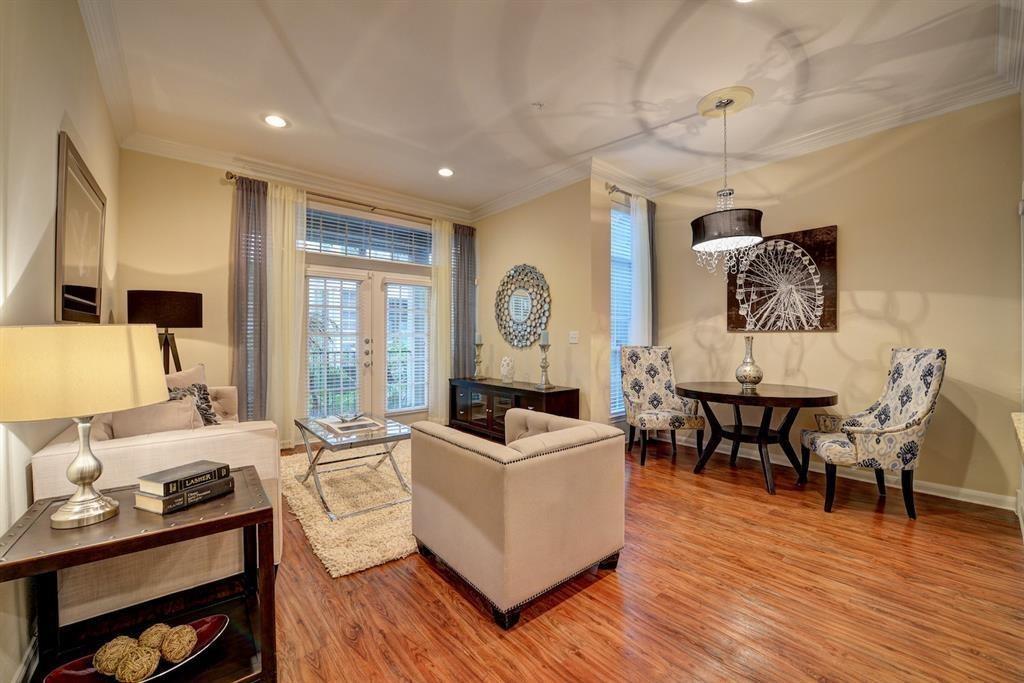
(615, 188)
(372, 208)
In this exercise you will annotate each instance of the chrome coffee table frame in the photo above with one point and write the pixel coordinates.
(387, 436)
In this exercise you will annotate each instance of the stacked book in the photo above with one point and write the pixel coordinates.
(182, 487)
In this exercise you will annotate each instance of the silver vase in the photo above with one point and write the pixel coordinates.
(749, 373)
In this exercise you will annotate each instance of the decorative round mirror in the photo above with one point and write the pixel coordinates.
(522, 305)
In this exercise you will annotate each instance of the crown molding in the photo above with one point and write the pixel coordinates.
(1010, 44)
(101, 27)
(568, 175)
(626, 181)
(315, 182)
(976, 92)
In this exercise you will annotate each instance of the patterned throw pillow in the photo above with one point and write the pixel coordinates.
(203, 403)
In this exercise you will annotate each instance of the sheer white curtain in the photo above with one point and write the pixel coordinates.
(641, 322)
(286, 265)
(440, 320)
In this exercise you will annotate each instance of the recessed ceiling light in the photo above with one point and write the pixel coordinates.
(445, 172)
(275, 121)
(744, 2)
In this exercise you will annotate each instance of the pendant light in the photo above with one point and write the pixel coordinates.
(727, 234)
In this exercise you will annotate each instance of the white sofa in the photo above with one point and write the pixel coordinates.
(99, 587)
(515, 521)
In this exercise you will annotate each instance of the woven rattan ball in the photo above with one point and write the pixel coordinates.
(138, 663)
(110, 655)
(178, 643)
(154, 636)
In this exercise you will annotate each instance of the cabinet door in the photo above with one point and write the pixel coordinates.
(502, 403)
(479, 408)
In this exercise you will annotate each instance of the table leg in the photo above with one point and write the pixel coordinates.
(787, 447)
(268, 625)
(738, 418)
(390, 447)
(762, 449)
(48, 620)
(249, 559)
(713, 440)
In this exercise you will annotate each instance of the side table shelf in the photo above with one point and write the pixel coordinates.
(245, 652)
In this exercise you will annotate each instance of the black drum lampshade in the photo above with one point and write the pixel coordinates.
(166, 310)
(727, 230)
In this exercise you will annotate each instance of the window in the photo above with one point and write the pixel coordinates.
(333, 335)
(408, 323)
(330, 232)
(621, 299)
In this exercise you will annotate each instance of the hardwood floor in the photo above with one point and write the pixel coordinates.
(718, 581)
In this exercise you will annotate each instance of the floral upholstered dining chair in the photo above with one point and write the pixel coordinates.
(649, 392)
(888, 435)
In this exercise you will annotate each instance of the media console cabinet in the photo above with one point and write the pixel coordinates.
(479, 405)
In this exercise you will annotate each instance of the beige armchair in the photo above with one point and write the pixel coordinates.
(516, 521)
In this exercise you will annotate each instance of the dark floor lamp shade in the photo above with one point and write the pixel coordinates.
(166, 310)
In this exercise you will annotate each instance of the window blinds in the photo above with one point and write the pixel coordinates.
(408, 325)
(330, 232)
(333, 336)
(621, 281)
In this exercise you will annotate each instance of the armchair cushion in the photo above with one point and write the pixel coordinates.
(667, 419)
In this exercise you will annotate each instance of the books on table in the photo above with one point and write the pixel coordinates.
(342, 426)
(181, 487)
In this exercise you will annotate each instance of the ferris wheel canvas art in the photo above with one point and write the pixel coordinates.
(788, 284)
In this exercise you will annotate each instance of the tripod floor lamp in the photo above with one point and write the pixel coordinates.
(166, 310)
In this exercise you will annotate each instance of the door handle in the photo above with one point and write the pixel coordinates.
(367, 363)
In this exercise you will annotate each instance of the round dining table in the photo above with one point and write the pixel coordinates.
(766, 396)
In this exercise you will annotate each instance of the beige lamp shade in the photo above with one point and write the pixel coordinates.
(63, 371)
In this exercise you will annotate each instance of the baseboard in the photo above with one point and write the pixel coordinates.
(892, 481)
(29, 661)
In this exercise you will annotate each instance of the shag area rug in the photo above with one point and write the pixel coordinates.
(363, 541)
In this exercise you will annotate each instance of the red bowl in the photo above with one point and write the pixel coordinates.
(81, 670)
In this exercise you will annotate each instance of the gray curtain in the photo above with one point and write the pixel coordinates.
(651, 207)
(463, 300)
(249, 297)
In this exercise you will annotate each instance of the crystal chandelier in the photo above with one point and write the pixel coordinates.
(727, 235)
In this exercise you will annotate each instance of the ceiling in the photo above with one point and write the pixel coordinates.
(385, 93)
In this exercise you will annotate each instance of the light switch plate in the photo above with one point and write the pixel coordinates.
(574, 337)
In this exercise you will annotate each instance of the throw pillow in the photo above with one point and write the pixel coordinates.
(201, 394)
(159, 417)
(185, 378)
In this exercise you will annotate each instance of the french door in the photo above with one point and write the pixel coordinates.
(367, 342)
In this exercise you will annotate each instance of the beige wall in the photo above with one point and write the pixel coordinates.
(49, 84)
(552, 233)
(929, 254)
(177, 236)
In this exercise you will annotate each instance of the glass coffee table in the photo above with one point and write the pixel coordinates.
(386, 436)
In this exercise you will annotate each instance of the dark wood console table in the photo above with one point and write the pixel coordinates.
(767, 396)
(244, 652)
(479, 405)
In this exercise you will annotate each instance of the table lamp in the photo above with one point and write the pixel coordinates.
(51, 372)
(166, 310)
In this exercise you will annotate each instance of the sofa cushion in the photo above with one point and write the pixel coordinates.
(186, 378)
(159, 417)
(201, 394)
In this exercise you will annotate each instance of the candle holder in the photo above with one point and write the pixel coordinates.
(478, 361)
(544, 365)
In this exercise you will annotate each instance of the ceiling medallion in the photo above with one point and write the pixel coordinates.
(727, 234)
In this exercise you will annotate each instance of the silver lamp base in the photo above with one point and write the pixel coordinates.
(86, 505)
